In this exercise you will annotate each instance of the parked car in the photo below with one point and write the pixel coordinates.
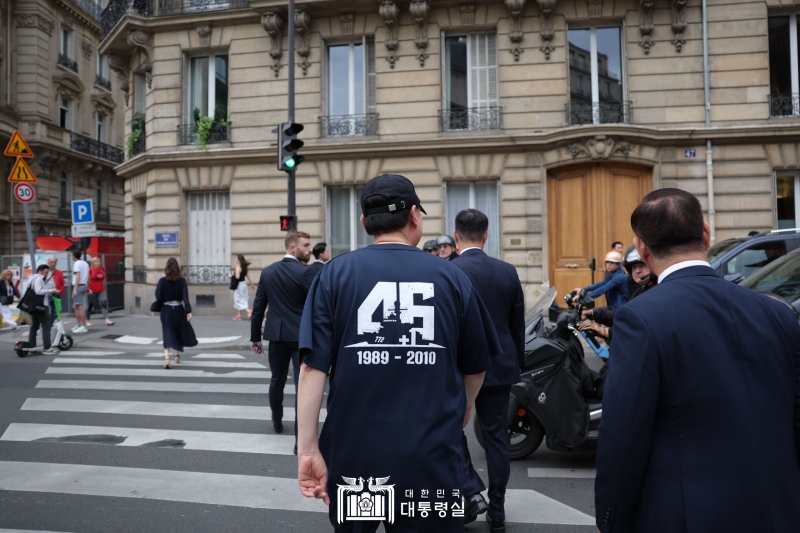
(737, 258)
(780, 280)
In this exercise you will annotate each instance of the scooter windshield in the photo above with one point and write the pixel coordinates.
(539, 307)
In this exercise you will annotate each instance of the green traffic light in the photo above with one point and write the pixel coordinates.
(290, 163)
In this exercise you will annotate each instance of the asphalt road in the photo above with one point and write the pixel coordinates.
(108, 441)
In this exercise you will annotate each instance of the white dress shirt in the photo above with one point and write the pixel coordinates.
(291, 257)
(470, 248)
(678, 266)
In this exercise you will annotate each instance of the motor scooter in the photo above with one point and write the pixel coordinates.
(58, 336)
(555, 397)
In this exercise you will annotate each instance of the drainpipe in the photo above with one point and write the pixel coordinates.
(709, 156)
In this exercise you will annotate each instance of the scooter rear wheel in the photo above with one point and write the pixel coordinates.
(525, 434)
(65, 343)
(22, 349)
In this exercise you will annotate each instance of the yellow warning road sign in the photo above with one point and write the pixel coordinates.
(21, 172)
(17, 147)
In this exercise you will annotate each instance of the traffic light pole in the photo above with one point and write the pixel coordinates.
(290, 189)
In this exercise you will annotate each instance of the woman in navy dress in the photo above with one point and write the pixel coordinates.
(176, 312)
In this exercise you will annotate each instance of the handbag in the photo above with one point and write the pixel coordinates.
(234, 283)
(32, 303)
(155, 307)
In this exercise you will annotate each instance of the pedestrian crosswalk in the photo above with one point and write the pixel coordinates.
(211, 404)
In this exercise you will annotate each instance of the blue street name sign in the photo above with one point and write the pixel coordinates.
(82, 212)
(168, 239)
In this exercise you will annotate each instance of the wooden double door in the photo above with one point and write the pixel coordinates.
(589, 207)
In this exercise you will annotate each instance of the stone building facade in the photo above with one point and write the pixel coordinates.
(554, 117)
(56, 90)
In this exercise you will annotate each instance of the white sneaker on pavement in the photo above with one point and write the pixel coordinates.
(80, 329)
(51, 351)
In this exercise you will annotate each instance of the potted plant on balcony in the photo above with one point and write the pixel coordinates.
(136, 123)
(206, 124)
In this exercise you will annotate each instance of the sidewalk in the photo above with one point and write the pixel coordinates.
(144, 332)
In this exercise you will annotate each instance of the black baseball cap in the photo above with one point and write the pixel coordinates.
(398, 189)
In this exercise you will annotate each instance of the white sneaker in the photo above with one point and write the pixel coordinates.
(80, 329)
(75, 327)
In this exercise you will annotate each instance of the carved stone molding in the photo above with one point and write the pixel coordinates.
(390, 13)
(600, 147)
(515, 33)
(143, 42)
(302, 25)
(87, 48)
(546, 10)
(30, 20)
(69, 85)
(346, 23)
(646, 24)
(205, 35)
(103, 104)
(467, 14)
(595, 8)
(419, 10)
(273, 24)
(678, 23)
(121, 65)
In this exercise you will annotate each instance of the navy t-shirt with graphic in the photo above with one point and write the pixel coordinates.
(396, 328)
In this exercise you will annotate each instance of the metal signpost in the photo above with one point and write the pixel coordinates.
(290, 175)
(23, 176)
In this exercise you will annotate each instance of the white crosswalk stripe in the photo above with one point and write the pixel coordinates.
(253, 434)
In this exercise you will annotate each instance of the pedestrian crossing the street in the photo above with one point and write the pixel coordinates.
(211, 404)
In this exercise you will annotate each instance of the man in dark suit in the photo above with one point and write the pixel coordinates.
(321, 257)
(283, 286)
(701, 414)
(498, 285)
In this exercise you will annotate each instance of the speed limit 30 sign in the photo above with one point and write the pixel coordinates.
(24, 192)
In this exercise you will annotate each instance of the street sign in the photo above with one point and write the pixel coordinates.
(21, 173)
(24, 192)
(690, 153)
(17, 147)
(82, 212)
(168, 239)
(84, 230)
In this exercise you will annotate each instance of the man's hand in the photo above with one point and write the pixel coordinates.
(74, 294)
(467, 415)
(257, 347)
(312, 475)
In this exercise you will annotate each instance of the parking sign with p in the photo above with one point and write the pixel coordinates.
(82, 212)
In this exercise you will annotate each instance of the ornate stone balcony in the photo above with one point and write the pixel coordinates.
(68, 62)
(85, 145)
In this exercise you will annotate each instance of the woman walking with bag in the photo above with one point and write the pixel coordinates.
(98, 297)
(7, 293)
(176, 331)
(241, 297)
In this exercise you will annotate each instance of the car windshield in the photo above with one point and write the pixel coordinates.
(781, 277)
(720, 248)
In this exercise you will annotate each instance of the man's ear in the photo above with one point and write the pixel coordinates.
(485, 237)
(361, 219)
(644, 251)
(455, 236)
(706, 234)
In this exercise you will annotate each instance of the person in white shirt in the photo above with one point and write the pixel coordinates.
(40, 285)
(80, 280)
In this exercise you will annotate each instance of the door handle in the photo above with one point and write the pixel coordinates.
(592, 264)
(572, 265)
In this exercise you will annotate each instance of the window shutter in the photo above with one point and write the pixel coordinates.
(370, 51)
(483, 69)
(209, 228)
(139, 93)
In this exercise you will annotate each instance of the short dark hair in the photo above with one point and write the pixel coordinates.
(471, 225)
(293, 235)
(669, 221)
(319, 249)
(615, 243)
(381, 223)
(41, 267)
(76, 254)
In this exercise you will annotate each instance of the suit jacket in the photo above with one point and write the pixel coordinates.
(283, 286)
(497, 283)
(316, 266)
(701, 413)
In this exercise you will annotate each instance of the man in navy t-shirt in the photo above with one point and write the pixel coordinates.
(406, 341)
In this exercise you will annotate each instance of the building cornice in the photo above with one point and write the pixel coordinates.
(75, 11)
(462, 143)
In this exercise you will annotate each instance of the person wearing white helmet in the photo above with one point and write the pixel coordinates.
(615, 284)
(447, 247)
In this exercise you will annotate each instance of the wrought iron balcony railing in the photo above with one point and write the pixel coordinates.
(91, 7)
(103, 216)
(102, 82)
(66, 61)
(85, 145)
(784, 105)
(187, 134)
(65, 212)
(599, 113)
(348, 125)
(116, 9)
(177, 7)
(139, 145)
(206, 274)
(473, 118)
(139, 274)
